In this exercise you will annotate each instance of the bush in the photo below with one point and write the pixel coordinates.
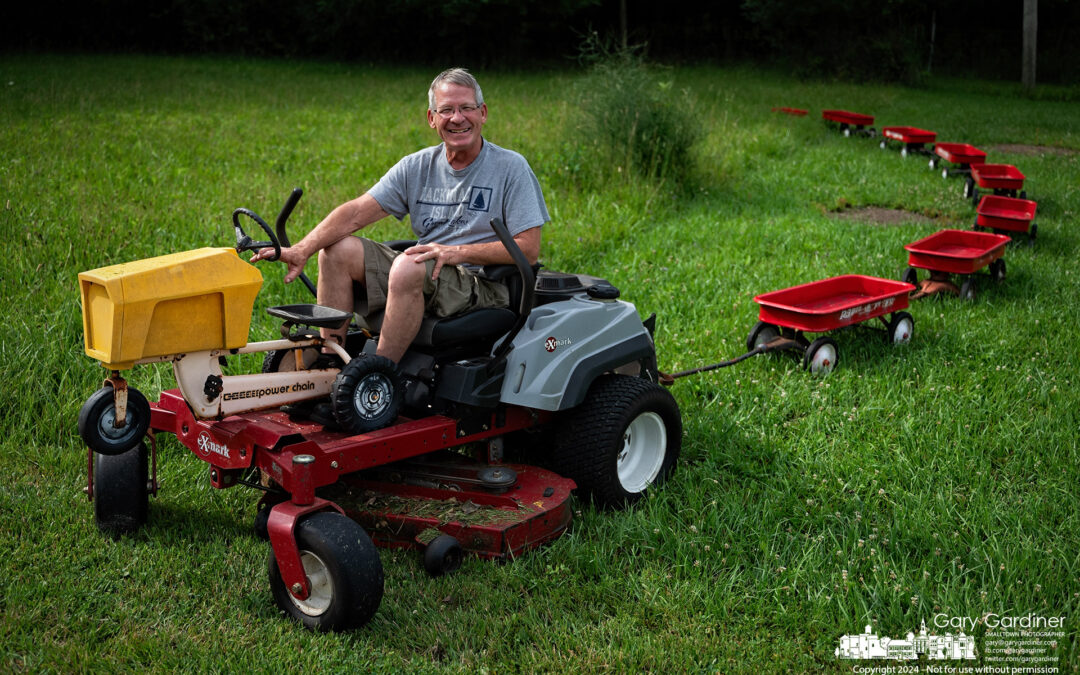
(632, 119)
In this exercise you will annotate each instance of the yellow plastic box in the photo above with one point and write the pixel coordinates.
(173, 304)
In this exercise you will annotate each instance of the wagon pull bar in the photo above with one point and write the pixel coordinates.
(776, 344)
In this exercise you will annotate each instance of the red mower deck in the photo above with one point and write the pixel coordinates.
(911, 139)
(950, 252)
(1007, 214)
(850, 122)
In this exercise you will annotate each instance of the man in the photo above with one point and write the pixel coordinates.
(451, 192)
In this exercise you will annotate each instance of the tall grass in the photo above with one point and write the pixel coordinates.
(935, 477)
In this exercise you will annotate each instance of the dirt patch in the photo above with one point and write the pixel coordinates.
(877, 215)
(1039, 150)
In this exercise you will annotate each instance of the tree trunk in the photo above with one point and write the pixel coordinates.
(1031, 22)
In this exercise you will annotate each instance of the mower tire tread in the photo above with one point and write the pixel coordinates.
(592, 436)
(121, 490)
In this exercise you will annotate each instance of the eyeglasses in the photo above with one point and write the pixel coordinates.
(448, 111)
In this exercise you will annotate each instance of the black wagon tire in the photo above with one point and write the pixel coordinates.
(122, 490)
(900, 328)
(98, 415)
(821, 356)
(997, 270)
(343, 569)
(911, 276)
(969, 187)
(624, 438)
(967, 290)
(367, 394)
(761, 333)
(443, 555)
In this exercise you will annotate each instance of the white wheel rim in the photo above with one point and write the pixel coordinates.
(643, 451)
(823, 360)
(322, 586)
(903, 330)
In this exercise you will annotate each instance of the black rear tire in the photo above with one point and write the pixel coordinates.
(343, 569)
(625, 438)
(367, 394)
(121, 490)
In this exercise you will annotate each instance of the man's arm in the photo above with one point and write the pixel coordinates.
(347, 218)
(490, 253)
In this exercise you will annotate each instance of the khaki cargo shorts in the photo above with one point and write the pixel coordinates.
(457, 290)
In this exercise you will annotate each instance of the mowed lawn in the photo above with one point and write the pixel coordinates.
(935, 478)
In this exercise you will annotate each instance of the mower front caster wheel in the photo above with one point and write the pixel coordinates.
(343, 571)
(442, 556)
(97, 422)
(367, 394)
(625, 437)
(121, 490)
(821, 356)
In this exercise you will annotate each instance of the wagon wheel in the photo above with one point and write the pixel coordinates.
(97, 422)
(969, 186)
(121, 490)
(911, 276)
(625, 438)
(343, 570)
(976, 227)
(821, 356)
(945, 173)
(1023, 194)
(933, 163)
(975, 197)
(443, 555)
(967, 290)
(997, 269)
(1031, 234)
(367, 394)
(900, 328)
(904, 152)
(883, 144)
(760, 334)
(846, 131)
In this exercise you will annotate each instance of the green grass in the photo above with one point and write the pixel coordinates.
(939, 476)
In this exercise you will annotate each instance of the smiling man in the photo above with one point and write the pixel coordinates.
(450, 192)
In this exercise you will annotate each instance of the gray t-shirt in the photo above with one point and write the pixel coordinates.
(455, 206)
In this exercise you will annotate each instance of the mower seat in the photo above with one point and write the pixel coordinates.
(480, 327)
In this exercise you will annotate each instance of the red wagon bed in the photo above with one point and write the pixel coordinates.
(951, 252)
(911, 139)
(1007, 214)
(960, 154)
(832, 303)
(1004, 179)
(850, 122)
(797, 112)
(826, 305)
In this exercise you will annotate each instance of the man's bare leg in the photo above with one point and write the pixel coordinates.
(404, 307)
(340, 264)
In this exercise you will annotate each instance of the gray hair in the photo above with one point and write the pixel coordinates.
(458, 76)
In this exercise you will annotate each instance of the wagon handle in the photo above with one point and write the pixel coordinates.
(776, 344)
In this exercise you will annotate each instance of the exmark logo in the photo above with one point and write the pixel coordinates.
(207, 446)
(553, 343)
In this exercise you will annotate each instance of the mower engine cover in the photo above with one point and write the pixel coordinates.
(565, 345)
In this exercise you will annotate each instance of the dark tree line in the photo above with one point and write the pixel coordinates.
(857, 39)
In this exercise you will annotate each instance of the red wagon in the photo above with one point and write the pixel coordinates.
(951, 252)
(911, 139)
(960, 154)
(850, 122)
(827, 305)
(1007, 214)
(796, 112)
(1004, 179)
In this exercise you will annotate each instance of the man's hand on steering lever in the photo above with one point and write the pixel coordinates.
(292, 258)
